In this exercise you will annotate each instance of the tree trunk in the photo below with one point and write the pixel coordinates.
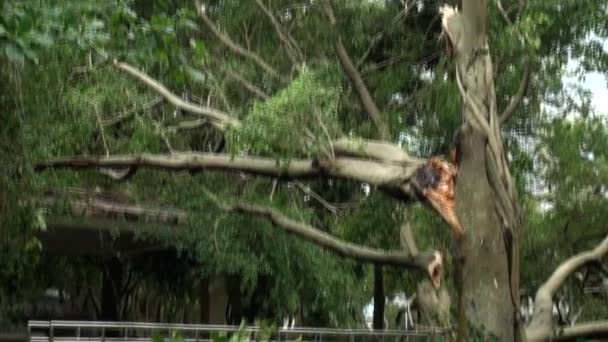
(110, 299)
(378, 321)
(485, 299)
(487, 302)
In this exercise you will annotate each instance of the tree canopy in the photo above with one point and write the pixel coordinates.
(235, 138)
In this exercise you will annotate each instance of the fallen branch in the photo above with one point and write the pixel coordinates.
(367, 171)
(432, 181)
(428, 262)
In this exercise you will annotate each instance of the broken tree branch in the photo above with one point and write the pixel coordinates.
(542, 328)
(425, 262)
(231, 45)
(357, 82)
(432, 181)
(367, 171)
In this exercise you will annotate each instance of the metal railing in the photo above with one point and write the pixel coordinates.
(67, 331)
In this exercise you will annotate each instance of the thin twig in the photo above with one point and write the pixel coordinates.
(321, 200)
(518, 97)
(231, 45)
(103, 135)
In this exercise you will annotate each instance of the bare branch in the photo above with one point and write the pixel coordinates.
(504, 13)
(97, 206)
(247, 85)
(120, 117)
(541, 327)
(525, 80)
(322, 239)
(329, 206)
(219, 117)
(293, 50)
(102, 132)
(371, 46)
(357, 82)
(230, 44)
(521, 92)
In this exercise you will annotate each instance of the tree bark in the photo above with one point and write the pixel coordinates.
(484, 284)
(487, 255)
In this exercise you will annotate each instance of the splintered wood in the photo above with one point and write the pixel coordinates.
(435, 182)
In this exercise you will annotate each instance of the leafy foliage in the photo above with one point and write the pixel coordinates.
(309, 103)
(74, 102)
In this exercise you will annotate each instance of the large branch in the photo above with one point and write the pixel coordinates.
(541, 327)
(431, 263)
(357, 82)
(231, 45)
(432, 181)
(371, 149)
(220, 118)
(368, 171)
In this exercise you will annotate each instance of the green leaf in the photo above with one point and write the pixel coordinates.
(13, 54)
(190, 24)
(40, 221)
(157, 337)
(200, 51)
(195, 74)
(31, 54)
(43, 39)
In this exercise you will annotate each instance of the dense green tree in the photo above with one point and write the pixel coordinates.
(295, 93)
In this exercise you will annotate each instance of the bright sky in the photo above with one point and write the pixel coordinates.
(596, 82)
